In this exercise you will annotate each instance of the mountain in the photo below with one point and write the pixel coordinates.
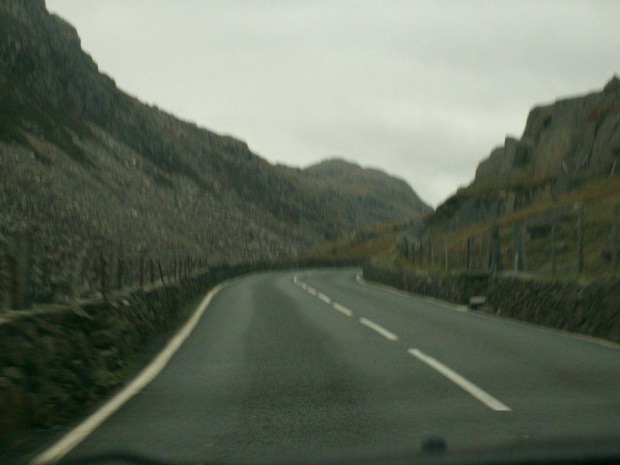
(564, 144)
(363, 195)
(90, 169)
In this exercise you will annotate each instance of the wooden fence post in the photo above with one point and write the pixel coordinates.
(22, 253)
(3, 276)
(11, 266)
(421, 253)
(431, 253)
(553, 249)
(119, 273)
(518, 246)
(161, 272)
(580, 237)
(523, 247)
(103, 274)
(470, 253)
(73, 274)
(614, 239)
(141, 272)
(496, 250)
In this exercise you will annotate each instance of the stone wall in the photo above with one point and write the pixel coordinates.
(58, 361)
(591, 308)
(456, 288)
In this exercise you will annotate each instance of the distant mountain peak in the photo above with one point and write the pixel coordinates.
(367, 188)
(613, 85)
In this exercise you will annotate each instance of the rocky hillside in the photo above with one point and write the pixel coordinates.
(564, 144)
(363, 193)
(90, 168)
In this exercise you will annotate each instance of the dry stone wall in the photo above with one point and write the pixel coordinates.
(57, 362)
(591, 308)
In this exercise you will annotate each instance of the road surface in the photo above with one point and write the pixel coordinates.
(302, 364)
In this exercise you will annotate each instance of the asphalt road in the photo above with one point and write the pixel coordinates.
(321, 364)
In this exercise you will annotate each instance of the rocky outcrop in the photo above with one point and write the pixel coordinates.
(575, 135)
(564, 144)
(511, 160)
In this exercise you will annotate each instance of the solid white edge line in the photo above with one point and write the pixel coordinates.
(341, 309)
(324, 298)
(81, 432)
(393, 290)
(457, 379)
(449, 306)
(383, 287)
(379, 329)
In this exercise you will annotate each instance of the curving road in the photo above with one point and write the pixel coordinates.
(317, 362)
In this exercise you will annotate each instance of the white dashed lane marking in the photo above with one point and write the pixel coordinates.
(457, 379)
(341, 309)
(379, 329)
(469, 387)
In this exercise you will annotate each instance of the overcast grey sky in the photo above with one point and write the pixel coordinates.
(421, 89)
